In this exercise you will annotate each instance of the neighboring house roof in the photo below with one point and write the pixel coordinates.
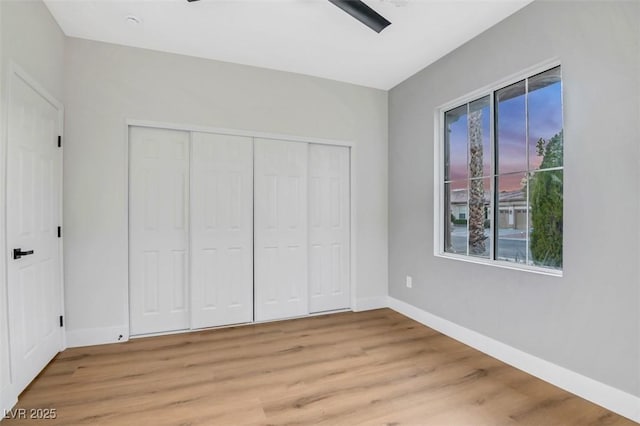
(460, 196)
(512, 196)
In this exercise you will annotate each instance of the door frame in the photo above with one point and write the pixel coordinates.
(129, 122)
(15, 70)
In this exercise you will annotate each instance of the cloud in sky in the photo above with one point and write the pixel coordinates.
(544, 110)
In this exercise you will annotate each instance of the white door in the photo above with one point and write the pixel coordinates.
(221, 230)
(158, 230)
(329, 228)
(33, 215)
(280, 203)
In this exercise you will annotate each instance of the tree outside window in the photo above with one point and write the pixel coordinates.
(503, 164)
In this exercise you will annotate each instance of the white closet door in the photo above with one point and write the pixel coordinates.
(280, 203)
(221, 230)
(158, 230)
(329, 230)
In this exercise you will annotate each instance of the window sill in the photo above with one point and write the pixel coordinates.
(501, 264)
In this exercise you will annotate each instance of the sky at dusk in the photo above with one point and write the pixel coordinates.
(545, 121)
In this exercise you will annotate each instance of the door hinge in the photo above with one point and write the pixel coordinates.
(59, 231)
(59, 141)
(61, 321)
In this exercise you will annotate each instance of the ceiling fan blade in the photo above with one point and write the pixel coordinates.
(363, 13)
(359, 10)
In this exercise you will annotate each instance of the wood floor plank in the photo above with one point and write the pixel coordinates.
(371, 368)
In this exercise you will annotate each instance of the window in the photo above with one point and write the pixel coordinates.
(502, 164)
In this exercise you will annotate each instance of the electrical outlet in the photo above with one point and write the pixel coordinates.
(409, 282)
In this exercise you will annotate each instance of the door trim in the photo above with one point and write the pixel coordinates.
(235, 132)
(13, 69)
(130, 122)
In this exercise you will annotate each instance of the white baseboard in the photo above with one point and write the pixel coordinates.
(613, 399)
(96, 336)
(6, 404)
(369, 303)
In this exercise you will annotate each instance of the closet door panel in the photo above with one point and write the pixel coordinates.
(158, 230)
(280, 220)
(329, 228)
(221, 230)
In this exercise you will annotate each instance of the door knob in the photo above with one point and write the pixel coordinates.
(18, 253)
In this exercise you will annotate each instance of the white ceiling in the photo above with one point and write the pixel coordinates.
(311, 37)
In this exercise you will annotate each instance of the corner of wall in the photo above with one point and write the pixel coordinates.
(370, 303)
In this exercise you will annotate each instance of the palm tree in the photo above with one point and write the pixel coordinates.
(476, 186)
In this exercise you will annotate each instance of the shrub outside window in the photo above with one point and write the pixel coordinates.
(501, 175)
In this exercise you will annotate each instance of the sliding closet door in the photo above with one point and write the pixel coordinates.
(221, 230)
(280, 203)
(158, 230)
(329, 230)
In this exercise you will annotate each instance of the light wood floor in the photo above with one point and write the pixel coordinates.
(375, 367)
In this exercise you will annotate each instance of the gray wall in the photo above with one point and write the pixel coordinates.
(106, 84)
(30, 38)
(587, 321)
